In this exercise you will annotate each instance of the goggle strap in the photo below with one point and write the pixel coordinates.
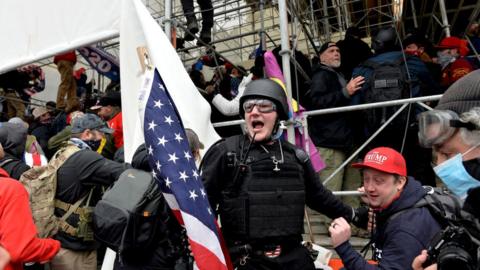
(460, 124)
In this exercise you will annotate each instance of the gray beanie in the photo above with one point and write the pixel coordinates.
(462, 95)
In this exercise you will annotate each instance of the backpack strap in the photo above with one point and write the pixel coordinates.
(72, 208)
(5, 162)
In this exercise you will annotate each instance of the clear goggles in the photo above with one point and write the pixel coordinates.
(263, 105)
(437, 126)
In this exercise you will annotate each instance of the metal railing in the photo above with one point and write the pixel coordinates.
(303, 120)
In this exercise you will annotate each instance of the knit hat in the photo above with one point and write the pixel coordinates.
(384, 159)
(462, 95)
(325, 46)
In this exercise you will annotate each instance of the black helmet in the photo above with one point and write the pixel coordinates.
(385, 40)
(268, 89)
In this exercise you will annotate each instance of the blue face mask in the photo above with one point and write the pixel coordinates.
(454, 175)
(445, 59)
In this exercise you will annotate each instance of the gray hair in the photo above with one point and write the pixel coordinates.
(471, 137)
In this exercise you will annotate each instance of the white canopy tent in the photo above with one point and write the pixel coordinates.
(36, 30)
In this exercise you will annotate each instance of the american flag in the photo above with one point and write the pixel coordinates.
(175, 170)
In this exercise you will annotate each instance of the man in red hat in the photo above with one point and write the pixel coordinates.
(401, 230)
(451, 52)
(110, 109)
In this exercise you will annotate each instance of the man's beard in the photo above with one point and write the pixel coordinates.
(335, 64)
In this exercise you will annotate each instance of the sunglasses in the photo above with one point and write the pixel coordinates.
(263, 105)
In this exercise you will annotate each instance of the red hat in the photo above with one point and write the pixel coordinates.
(454, 43)
(384, 159)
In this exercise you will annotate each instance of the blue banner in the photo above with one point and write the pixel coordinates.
(102, 61)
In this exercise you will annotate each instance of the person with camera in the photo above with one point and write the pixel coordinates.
(401, 230)
(261, 185)
(452, 130)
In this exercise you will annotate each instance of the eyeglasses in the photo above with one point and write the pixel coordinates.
(263, 105)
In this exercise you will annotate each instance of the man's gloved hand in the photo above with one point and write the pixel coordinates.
(360, 217)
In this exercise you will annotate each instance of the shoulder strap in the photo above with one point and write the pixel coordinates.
(62, 155)
(75, 206)
(5, 162)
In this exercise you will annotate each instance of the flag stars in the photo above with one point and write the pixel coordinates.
(184, 176)
(158, 104)
(168, 120)
(209, 210)
(173, 158)
(178, 138)
(158, 165)
(161, 87)
(152, 125)
(193, 195)
(154, 174)
(150, 150)
(187, 155)
(168, 182)
(195, 174)
(202, 192)
(162, 141)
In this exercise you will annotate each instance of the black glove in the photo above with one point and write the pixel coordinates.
(360, 217)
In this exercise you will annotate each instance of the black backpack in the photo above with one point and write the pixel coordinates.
(131, 214)
(445, 207)
(389, 81)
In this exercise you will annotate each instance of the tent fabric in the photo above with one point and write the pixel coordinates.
(34, 30)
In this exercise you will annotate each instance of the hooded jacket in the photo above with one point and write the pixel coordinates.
(18, 234)
(397, 241)
(13, 138)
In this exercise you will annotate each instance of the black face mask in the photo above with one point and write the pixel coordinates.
(94, 145)
(473, 167)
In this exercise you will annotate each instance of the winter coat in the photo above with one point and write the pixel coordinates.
(328, 91)
(18, 234)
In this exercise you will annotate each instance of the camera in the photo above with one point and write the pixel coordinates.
(453, 248)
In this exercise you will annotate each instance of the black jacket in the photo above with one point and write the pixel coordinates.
(13, 138)
(14, 166)
(80, 172)
(326, 91)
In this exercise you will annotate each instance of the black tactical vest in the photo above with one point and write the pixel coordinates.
(271, 197)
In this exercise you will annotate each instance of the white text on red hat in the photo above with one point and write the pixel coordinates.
(375, 157)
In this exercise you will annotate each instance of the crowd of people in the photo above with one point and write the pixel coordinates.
(257, 182)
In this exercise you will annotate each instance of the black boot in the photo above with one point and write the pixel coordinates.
(205, 36)
(192, 27)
